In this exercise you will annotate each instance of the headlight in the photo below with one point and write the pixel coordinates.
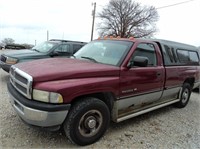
(10, 60)
(45, 96)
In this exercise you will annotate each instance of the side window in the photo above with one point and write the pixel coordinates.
(169, 53)
(193, 56)
(146, 50)
(174, 55)
(63, 48)
(189, 57)
(76, 47)
(183, 55)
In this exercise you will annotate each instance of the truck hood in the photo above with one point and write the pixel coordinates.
(65, 68)
(23, 53)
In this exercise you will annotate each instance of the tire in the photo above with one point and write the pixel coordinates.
(184, 96)
(87, 121)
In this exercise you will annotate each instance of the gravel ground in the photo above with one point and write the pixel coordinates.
(166, 128)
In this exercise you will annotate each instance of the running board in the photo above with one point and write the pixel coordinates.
(146, 110)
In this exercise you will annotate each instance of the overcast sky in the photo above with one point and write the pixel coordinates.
(27, 21)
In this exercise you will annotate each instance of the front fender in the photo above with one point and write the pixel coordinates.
(73, 88)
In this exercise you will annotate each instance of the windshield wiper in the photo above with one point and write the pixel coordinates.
(92, 59)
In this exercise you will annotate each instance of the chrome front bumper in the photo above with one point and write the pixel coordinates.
(38, 117)
(37, 114)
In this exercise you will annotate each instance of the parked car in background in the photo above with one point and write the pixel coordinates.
(48, 49)
(14, 46)
(1, 47)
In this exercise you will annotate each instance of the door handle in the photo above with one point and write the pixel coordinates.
(158, 73)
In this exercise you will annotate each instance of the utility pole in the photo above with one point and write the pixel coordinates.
(93, 14)
(47, 35)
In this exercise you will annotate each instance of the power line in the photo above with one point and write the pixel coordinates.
(174, 4)
(166, 5)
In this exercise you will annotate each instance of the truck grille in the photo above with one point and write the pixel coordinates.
(21, 81)
(3, 58)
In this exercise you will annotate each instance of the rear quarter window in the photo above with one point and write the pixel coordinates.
(186, 56)
(193, 56)
(170, 56)
(183, 55)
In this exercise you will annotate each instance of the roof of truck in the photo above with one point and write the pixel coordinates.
(160, 41)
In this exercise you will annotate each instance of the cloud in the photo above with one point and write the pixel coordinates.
(29, 20)
(21, 26)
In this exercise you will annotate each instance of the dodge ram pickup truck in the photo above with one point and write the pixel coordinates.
(108, 79)
(47, 49)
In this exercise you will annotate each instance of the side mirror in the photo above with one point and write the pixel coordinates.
(139, 61)
(54, 53)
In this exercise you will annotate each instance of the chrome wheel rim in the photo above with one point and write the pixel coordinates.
(185, 95)
(90, 123)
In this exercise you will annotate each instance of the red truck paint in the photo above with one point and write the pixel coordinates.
(145, 77)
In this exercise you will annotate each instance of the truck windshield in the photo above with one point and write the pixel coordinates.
(109, 52)
(43, 47)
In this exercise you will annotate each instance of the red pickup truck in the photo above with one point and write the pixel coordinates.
(108, 79)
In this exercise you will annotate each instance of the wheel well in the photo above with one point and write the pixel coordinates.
(190, 81)
(107, 97)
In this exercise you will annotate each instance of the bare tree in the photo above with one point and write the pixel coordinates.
(8, 41)
(126, 18)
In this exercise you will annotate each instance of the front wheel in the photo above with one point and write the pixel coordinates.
(184, 96)
(87, 121)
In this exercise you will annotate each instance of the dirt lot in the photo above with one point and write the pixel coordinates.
(164, 128)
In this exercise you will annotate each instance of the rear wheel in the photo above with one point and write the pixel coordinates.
(87, 121)
(184, 96)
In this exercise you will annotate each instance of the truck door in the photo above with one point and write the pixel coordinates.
(141, 85)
